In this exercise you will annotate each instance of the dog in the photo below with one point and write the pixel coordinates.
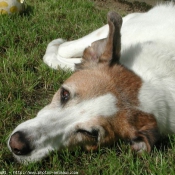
(123, 87)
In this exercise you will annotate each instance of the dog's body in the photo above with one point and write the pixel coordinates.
(131, 97)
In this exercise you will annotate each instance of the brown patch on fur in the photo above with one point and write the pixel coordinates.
(121, 82)
(91, 147)
(129, 123)
(127, 86)
(133, 126)
(136, 126)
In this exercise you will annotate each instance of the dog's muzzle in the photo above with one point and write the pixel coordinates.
(20, 144)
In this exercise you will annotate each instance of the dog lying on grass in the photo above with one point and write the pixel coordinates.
(122, 88)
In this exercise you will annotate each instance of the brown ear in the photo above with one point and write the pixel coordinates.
(137, 127)
(104, 50)
(146, 133)
(113, 43)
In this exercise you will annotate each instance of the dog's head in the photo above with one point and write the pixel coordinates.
(96, 106)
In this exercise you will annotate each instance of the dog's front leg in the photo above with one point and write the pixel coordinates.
(64, 54)
(75, 48)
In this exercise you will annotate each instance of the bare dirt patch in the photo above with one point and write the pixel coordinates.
(126, 6)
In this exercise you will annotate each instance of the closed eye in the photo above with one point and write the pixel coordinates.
(65, 96)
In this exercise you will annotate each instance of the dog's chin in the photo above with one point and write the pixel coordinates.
(33, 157)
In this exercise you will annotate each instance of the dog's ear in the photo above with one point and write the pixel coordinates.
(146, 132)
(112, 48)
(105, 50)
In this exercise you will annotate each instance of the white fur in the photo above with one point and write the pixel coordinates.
(52, 127)
(148, 48)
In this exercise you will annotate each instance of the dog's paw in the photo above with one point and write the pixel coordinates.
(54, 60)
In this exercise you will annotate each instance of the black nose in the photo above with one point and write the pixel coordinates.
(20, 144)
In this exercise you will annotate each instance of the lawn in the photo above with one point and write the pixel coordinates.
(27, 85)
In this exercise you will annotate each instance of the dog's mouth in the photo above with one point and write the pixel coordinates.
(89, 139)
(93, 134)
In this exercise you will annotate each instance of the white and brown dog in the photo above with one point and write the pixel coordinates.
(124, 88)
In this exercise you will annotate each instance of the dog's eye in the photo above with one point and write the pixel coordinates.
(65, 95)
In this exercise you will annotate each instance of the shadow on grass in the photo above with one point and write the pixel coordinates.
(136, 5)
(164, 144)
(28, 11)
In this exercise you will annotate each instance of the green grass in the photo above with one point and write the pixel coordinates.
(27, 85)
